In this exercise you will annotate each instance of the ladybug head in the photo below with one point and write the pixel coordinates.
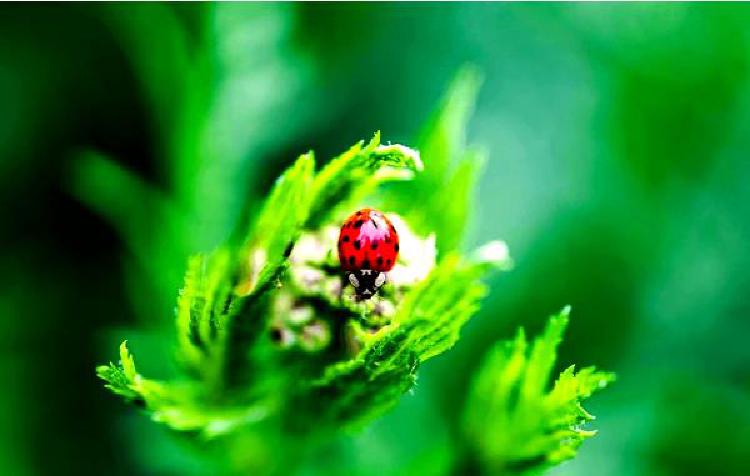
(366, 282)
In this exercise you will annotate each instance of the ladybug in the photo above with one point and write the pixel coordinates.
(368, 248)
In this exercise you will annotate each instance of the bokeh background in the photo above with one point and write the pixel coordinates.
(618, 172)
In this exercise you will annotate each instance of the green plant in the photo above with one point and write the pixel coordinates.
(275, 351)
(512, 422)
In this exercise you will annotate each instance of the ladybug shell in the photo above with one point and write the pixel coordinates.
(368, 240)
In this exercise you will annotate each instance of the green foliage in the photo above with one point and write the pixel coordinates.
(272, 345)
(175, 403)
(207, 118)
(279, 222)
(439, 200)
(121, 378)
(202, 299)
(427, 324)
(222, 309)
(135, 208)
(514, 423)
(355, 174)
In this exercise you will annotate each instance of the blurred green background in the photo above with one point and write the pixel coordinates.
(618, 138)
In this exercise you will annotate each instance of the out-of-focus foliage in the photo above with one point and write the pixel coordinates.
(616, 139)
(513, 421)
(453, 169)
(210, 104)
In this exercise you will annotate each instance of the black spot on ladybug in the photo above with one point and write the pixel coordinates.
(357, 244)
(388, 262)
(395, 247)
(358, 223)
(366, 264)
(345, 239)
(380, 261)
(388, 239)
(374, 245)
(359, 213)
(351, 260)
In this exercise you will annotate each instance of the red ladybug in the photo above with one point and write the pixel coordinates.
(368, 248)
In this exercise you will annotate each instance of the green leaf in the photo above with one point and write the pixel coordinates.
(230, 100)
(135, 209)
(455, 204)
(222, 290)
(427, 324)
(176, 404)
(439, 199)
(350, 177)
(150, 224)
(543, 355)
(443, 139)
(355, 391)
(163, 68)
(121, 379)
(514, 424)
(202, 307)
(436, 310)
(278, 225)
